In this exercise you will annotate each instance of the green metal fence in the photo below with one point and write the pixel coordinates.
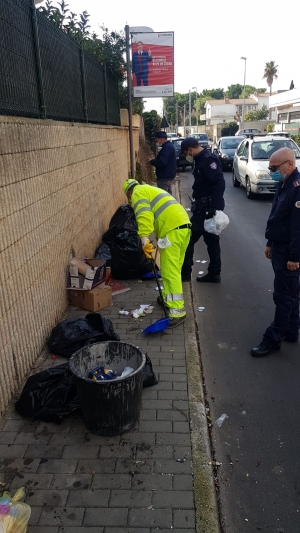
(45, 74)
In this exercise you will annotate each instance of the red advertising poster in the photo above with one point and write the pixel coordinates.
(153, 64)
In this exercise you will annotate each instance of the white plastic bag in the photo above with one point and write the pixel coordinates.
(164, 242)
(216, 224)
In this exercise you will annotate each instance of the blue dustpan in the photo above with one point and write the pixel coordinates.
(159, 325)
(150, 275)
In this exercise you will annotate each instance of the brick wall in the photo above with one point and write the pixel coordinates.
(59, 186)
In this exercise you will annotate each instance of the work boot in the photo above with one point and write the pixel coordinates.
(209, 278)
(176, 322)
(263, 349)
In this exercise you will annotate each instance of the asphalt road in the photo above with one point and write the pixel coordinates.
(259, 444)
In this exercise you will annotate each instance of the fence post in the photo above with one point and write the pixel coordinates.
(83, 83)
(105, 93)
(118, 102)
(38, 61)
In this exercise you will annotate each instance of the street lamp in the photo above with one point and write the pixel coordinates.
(196, 105)
(243, 115)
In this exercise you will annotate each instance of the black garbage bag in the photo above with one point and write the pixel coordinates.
(149, 378)
(49, 395)
(124, 218)
(103, 252)
(72, 334)
(128, 260)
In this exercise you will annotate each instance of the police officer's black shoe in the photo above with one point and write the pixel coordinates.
(290, 338)
(209, 278)
(263, 349)
(185, 278)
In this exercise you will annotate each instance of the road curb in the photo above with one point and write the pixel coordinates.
(206, 508)
(207, 515)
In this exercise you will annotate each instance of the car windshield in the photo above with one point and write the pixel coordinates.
(177, 143)
(230, 144)
(200, 136)
(264, 149)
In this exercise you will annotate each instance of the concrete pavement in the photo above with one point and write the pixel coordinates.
(156, 477)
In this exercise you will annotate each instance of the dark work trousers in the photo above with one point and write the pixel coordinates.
(286, 299)
(213, 248)
(142, 77)
(166, 185)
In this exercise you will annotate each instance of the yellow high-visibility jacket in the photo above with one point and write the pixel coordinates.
(156, 210)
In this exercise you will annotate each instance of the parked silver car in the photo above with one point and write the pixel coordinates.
(251, 161)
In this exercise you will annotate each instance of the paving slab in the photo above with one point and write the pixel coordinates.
(138, 482)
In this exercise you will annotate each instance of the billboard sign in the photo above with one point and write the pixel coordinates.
(153, 64)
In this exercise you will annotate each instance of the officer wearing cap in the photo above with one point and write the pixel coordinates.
(165, 162)
(208, 197)
(283, 248)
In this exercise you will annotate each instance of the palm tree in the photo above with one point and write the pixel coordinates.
(270, 73)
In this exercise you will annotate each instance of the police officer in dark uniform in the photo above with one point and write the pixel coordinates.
(283, 248)
(208, 192)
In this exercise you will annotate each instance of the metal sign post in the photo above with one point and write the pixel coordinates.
(129, 90)
(128, 31)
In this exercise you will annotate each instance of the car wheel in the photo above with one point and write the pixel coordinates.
(235, 182)
(249, 193)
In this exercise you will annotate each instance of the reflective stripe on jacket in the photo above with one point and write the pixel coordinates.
(156, 210)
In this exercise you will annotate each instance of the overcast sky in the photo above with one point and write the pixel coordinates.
(210, 38)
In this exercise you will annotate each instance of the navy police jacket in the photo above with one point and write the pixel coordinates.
(209, 179)
(165, 162)
(283, 226)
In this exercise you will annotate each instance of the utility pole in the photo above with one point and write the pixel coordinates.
(177, 118)
(243, 116)
(196, 106)
(184, 120)
(190, 111)
(129, 89)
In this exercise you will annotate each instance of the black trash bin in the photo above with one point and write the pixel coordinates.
(109, 407)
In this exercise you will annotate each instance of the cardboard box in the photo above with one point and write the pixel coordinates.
(92, 300)
(88, 274)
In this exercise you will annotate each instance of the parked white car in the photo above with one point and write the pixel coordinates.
(251, 161)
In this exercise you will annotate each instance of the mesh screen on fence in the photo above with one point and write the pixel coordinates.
(61, 72)
(95, 93)
(112, 100)
(67, 74)
(19, 93)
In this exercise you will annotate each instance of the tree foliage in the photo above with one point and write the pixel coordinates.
(237, 91)
(260, 114)
(270, 72)
(229, 129)
(152, 123)
(197, 105)
(108, 50)
(234, 91)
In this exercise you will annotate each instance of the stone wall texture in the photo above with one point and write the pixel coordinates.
(60, 183)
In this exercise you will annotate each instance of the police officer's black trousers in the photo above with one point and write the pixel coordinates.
(286, 299)
(213, 248)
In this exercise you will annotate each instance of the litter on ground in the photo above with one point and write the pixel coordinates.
(220, 420)
(200, 309)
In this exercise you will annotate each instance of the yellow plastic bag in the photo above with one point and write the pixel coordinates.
(14, 515)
